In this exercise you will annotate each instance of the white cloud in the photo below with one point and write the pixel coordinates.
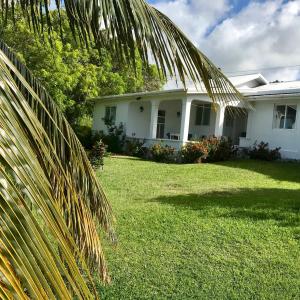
(194, 17)
(262, 35)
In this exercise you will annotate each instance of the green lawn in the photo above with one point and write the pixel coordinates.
(209, 231)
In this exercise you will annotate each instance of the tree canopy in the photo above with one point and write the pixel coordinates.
(72, 73)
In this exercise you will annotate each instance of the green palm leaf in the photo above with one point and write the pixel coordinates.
(44, 165)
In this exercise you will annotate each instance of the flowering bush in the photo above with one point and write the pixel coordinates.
(207, 150)
(194, 152)
(219, 149)
(162, 153)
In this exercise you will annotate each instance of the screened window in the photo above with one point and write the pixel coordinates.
(229, 118)
(203, 114)
(285, 116)
(110, 115)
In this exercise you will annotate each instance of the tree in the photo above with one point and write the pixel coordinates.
(48, 252)
(72, 74)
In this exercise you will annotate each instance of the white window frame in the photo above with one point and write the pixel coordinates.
(285, 113)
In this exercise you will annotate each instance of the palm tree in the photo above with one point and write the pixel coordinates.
(51, 204)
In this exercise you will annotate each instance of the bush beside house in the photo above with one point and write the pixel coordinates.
(162, 153)
(262, 151)
(207, 150)
(203, 151)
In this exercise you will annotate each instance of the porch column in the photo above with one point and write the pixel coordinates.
(153, 119)
(220, 116)
(185, 119)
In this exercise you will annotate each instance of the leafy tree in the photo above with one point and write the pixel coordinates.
(71, 73)
(50, 251)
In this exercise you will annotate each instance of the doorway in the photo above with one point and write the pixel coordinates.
(161, 121)
(235, 124)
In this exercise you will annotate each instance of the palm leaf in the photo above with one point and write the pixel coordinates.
(44, 165)
(125, 25)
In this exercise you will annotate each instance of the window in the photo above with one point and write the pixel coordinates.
(285, 116)
(110, 115)
(203, 114)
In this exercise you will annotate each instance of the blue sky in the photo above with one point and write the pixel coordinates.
(242, 35)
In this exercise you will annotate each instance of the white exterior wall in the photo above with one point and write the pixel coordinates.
(99, 114)
(138, 124)
(260, 128)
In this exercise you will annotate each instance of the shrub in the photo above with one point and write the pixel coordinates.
(84, 134)
(262, 152)
(193, 152)
(115, 138)
(162, 153)
(135, 148)
(219, 149)
(97, 154)
(207, 150)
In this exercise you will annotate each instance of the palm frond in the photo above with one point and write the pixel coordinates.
(125, 25)
(43, 164)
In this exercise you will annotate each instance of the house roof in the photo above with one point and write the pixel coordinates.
(248, 80)
(251, 85)
(274, 88)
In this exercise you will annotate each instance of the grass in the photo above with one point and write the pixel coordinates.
(212, 231)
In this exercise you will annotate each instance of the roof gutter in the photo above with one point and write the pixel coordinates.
(139, 96)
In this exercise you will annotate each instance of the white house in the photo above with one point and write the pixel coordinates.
(176, 115)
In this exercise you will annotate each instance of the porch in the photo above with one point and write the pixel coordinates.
(174, 122)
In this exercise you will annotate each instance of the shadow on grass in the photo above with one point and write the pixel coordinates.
(282, 205)
(279, 170)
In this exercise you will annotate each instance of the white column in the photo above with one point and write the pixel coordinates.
(185, 119)
(220, 116)
(153, 119)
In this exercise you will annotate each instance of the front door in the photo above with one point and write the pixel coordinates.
(161, 121)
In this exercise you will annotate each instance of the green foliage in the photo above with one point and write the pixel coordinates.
(72, 74)
(219, 149)
(162, 153)
(193, 152)
(97, 154)
(115, 138)
(207, 150)
(228, 230)
(135, 147)
(46, 181)
(262, 152)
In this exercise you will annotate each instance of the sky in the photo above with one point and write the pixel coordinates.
(242, 36)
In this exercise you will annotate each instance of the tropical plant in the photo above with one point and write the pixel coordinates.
(43, 166)
(193, 152)
(97, 154)
(219, 149)
(135, 147)
(47, 252)
(162, 153)
(210, 149)
(263, 152)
